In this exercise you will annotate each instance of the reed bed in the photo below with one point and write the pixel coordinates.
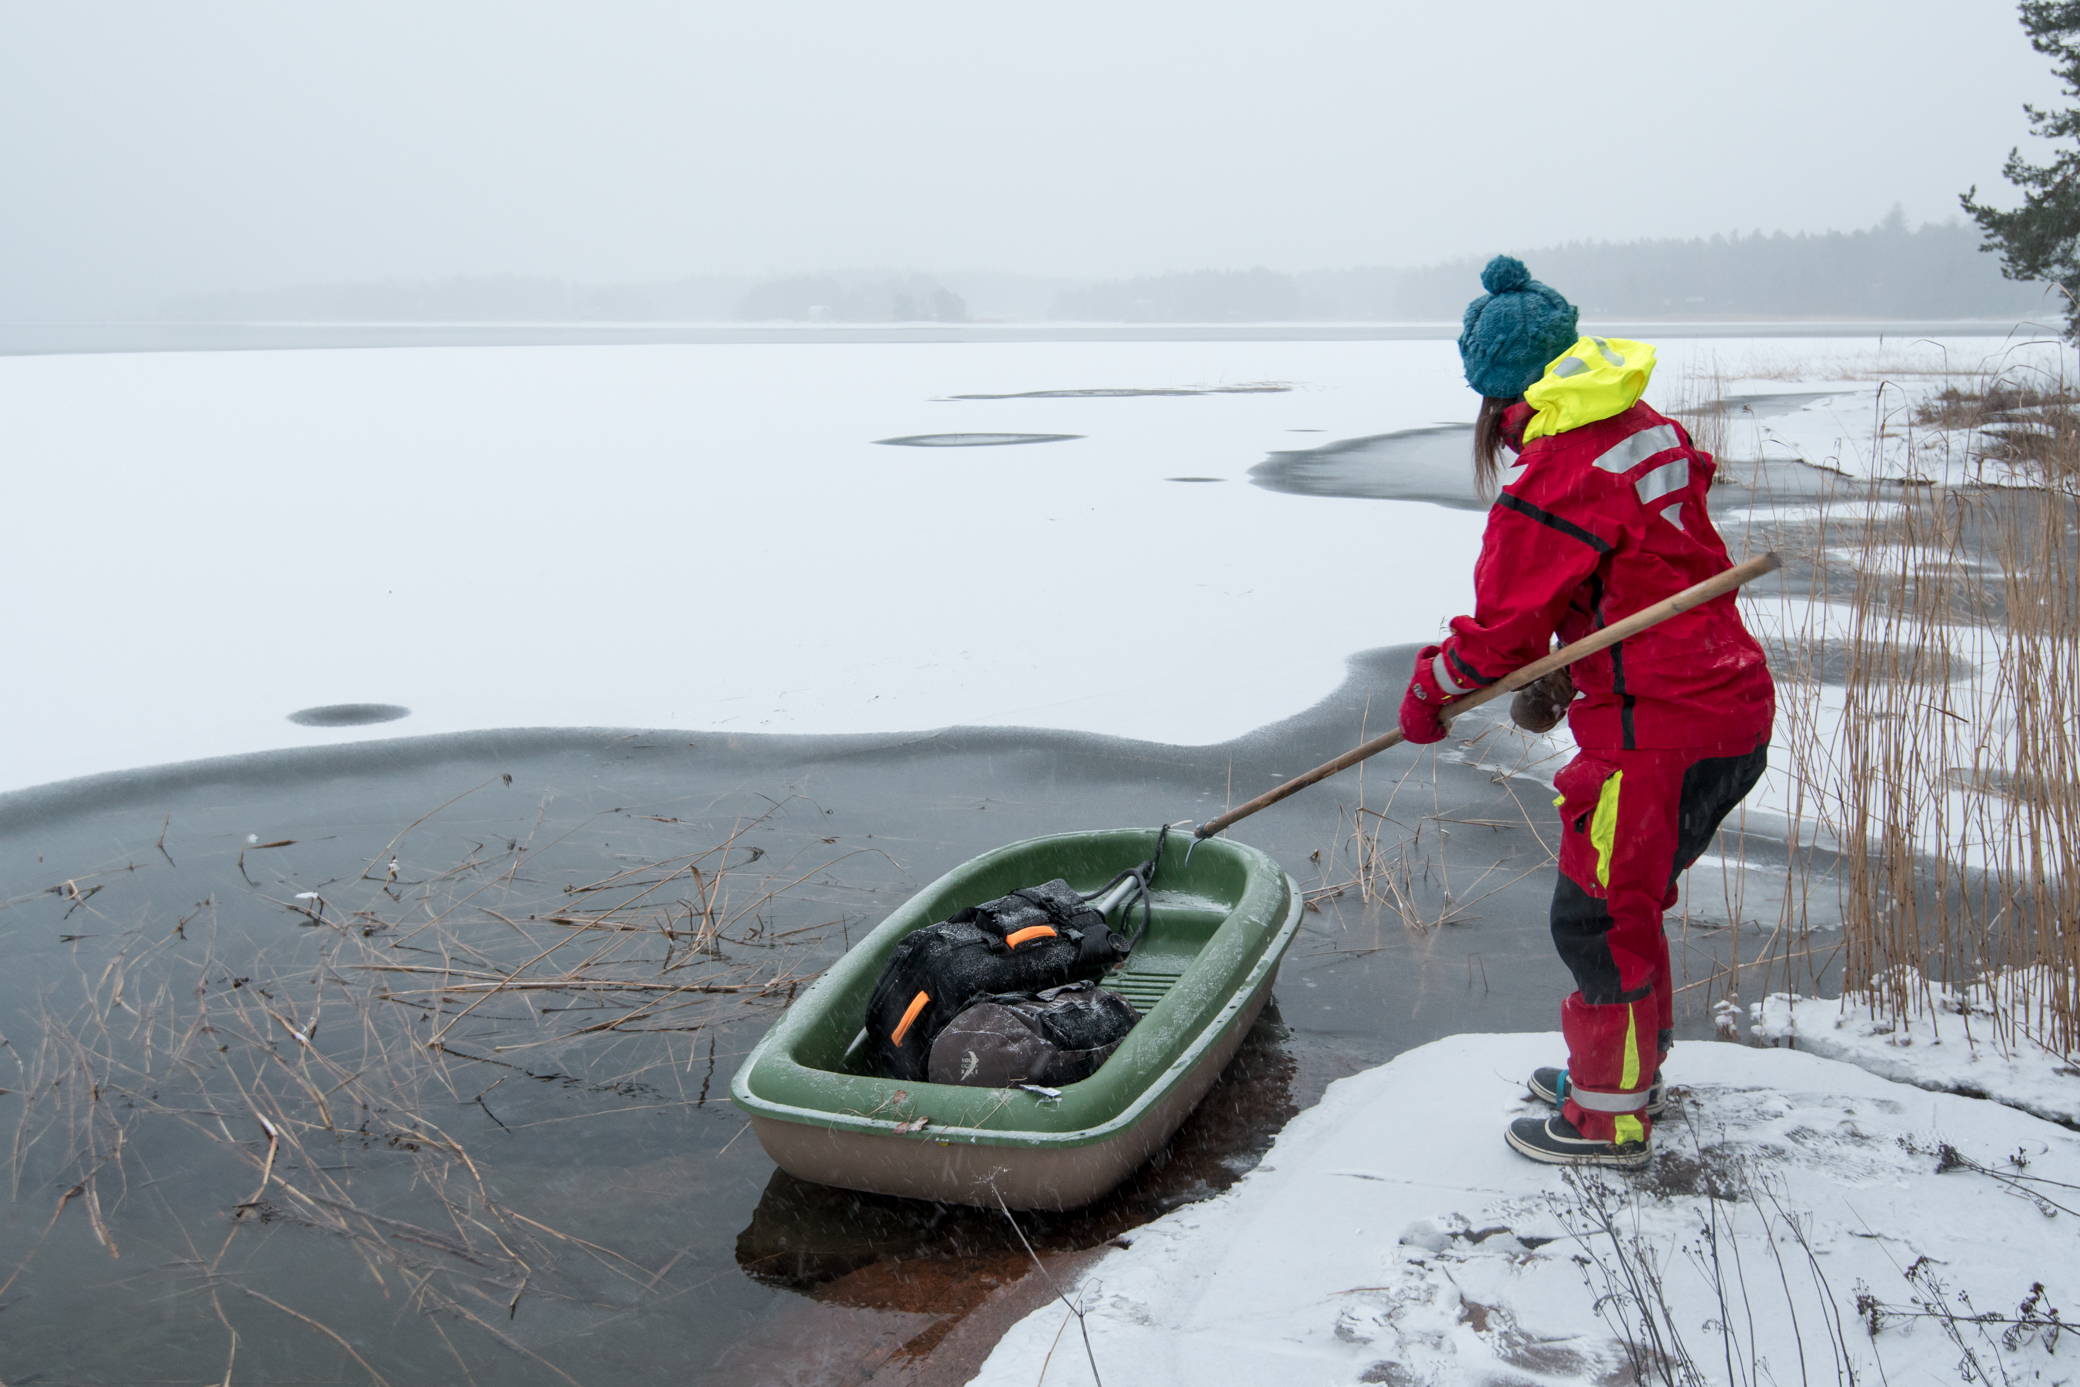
(1928, 680)
(321, 1062)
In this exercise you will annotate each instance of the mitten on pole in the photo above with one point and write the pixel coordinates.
(1539, 705)
(1422, 707)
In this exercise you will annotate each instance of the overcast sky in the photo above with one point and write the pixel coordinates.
(149, 149)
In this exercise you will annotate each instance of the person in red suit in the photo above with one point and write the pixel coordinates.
(1602, 513)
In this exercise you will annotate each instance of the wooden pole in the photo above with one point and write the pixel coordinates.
(1610, 635)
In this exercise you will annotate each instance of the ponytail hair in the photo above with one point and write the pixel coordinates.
(1487, 444)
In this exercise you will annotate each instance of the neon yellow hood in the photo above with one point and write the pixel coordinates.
(1594, 379)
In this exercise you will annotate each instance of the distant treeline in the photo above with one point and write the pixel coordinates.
(861, 297)
(1201, 296)
(470, 299)
(1888, 271)
(826, 298)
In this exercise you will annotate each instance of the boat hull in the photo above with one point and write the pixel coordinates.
(1201, 976)
(1024, 1177)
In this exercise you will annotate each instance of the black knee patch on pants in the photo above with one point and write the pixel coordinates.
(1711, 788)
(1581, 932)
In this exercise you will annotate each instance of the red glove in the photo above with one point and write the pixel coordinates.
(1422, 707)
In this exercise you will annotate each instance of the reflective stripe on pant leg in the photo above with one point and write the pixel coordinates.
(1603, 828)
(1632, 1127)
(1593, 1100)
(1629, 1079)
(1664, 998)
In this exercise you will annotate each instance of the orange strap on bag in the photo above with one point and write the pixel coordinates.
(1020, 936)
(917, 1004)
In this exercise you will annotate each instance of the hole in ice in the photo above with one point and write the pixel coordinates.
(974, 440)
(1433, 464)
(1195, 479)
(348, 714)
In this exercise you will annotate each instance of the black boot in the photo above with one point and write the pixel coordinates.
(1555, 1141)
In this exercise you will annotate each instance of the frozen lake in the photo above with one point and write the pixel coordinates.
(709, 537)
(695, 537)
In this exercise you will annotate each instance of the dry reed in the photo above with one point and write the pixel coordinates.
(1928, 690)
(329, 1066)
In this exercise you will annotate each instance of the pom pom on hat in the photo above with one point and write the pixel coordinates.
(1504, 273)
(1512, 331)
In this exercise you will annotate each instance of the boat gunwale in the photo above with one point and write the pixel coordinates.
(774, 1050)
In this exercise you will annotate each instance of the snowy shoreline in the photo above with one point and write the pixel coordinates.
(1976, 1040)
(1391, 1237)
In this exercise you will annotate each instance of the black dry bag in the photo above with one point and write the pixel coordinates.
(1031, 940)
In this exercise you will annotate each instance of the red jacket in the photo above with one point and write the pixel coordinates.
(1596, 523)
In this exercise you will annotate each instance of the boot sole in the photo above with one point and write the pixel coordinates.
(1616, 1160)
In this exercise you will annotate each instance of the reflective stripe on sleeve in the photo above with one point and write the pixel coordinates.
(1669, 477)
(1631, 452)
(1443, 673)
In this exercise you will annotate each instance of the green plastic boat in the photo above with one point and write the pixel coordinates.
(1199, 976)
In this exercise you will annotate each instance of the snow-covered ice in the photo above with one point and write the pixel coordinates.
(1391, 1237)
(707, 537)
(698, 537)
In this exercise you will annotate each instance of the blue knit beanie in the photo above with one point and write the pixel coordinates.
(1513, 330)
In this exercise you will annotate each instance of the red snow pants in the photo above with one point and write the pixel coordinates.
(1631, 822)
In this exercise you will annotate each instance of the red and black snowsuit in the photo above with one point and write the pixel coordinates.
(1673, 724)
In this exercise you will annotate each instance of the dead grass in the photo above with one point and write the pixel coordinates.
(1391, 860)
(339, 1065)
(2025, 421)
